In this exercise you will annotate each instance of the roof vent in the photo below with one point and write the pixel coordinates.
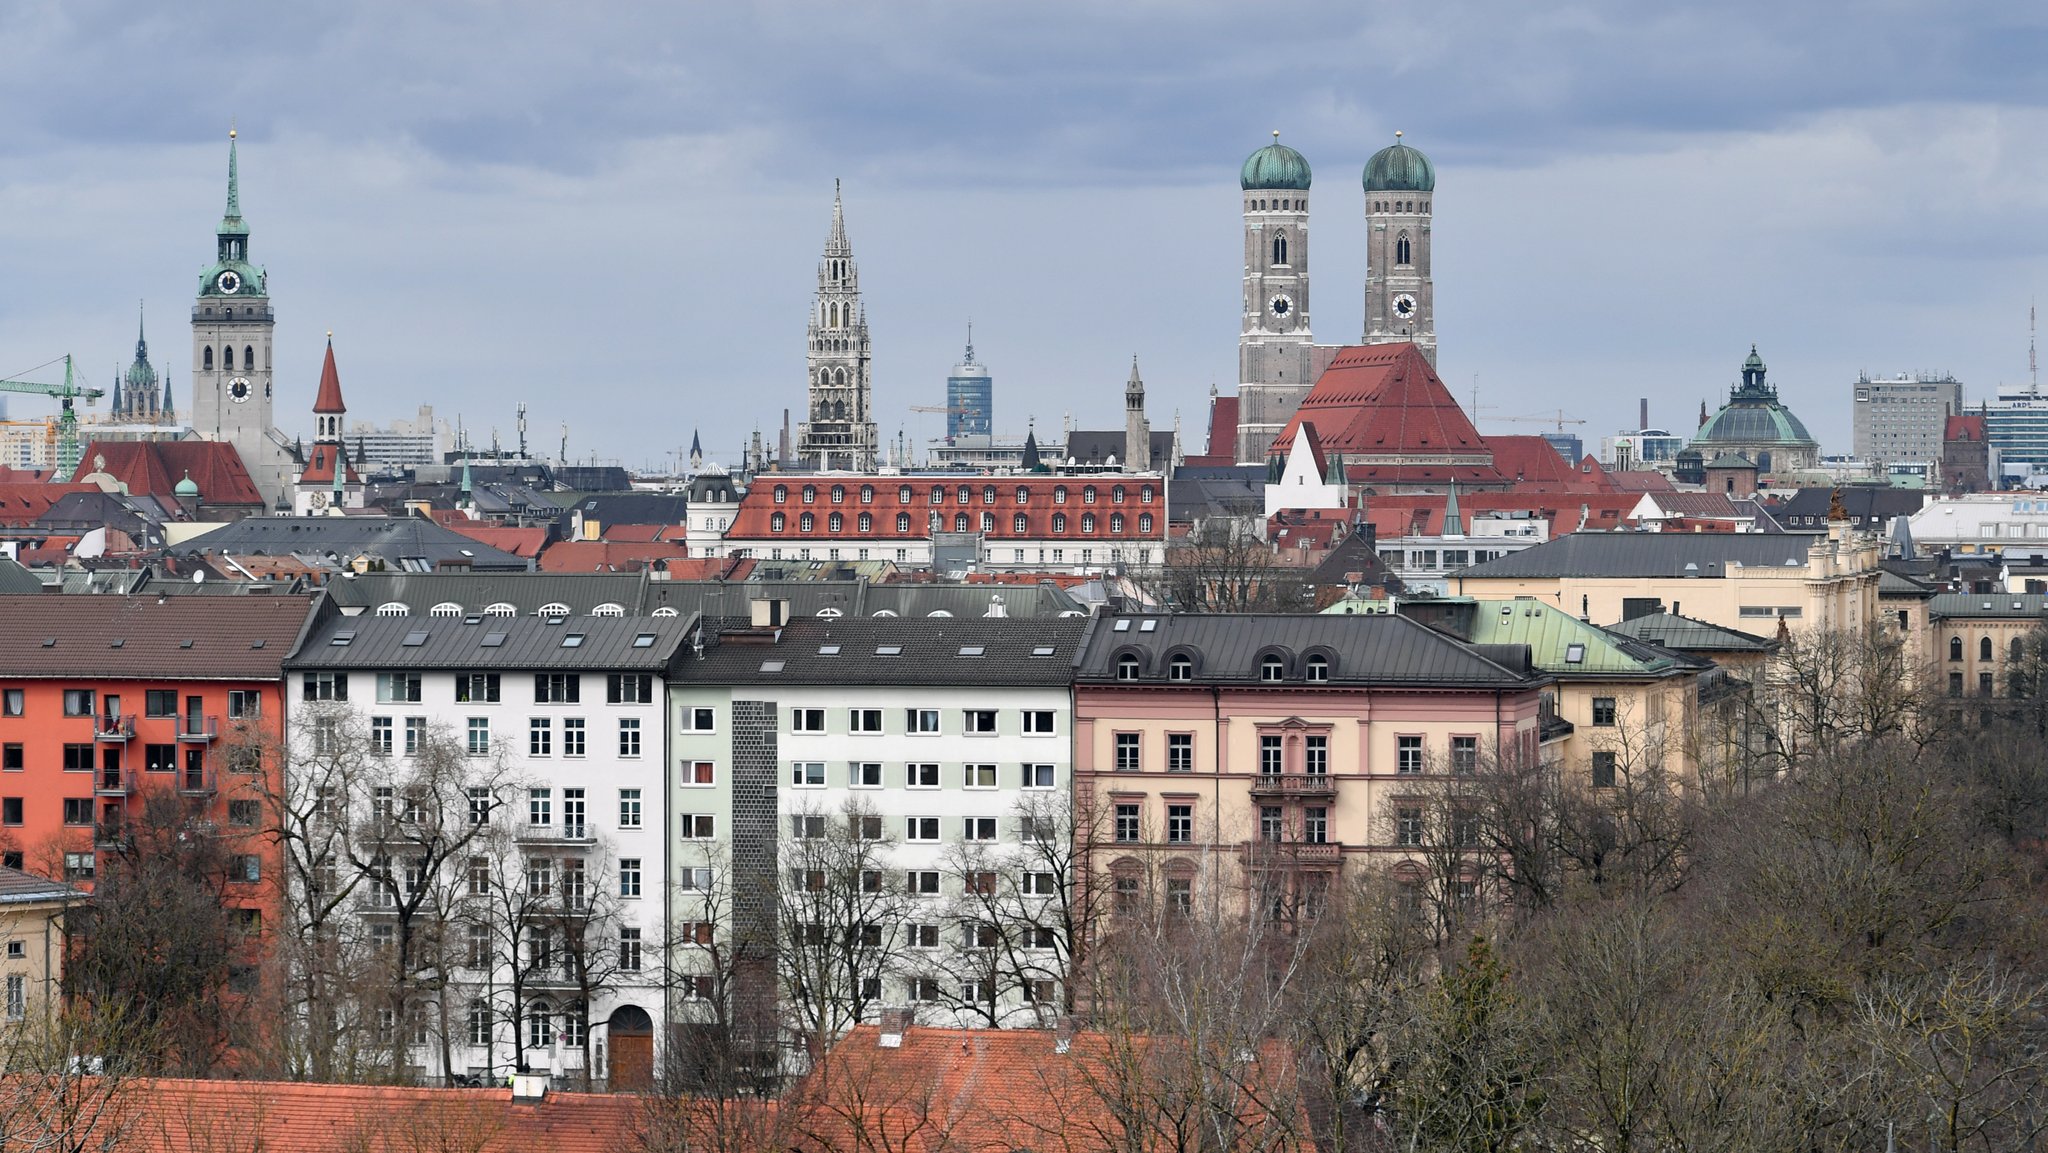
(529, 1087)
(49, 642)
(771, 666)
(116, 643)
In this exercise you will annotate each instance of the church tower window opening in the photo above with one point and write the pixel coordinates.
(1403, 254)
(1280, 250)
(207, 359)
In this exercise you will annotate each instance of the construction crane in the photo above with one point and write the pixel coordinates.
(938, 408)
(68, 448)
(1560, 419)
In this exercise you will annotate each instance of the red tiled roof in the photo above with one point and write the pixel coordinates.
(1534, 462)
(320, 467)
(329, 399)
(1963, 428)
(154, 468)
(609, 556)
(1385, 401)
(1222, 446)
(1640, 480)
(22, 502)
(144, 636)
(523, 542)
(899, 509)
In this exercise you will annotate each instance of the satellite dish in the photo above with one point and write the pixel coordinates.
(199, 577)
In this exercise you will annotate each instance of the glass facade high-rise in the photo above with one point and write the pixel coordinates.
(970, 400)
(2016, 424)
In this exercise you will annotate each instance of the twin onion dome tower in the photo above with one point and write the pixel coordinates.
(1278, 359)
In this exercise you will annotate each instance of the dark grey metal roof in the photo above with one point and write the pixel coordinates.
(1647, 554)
(391, 539)
(903, 651)
(639, 595)
(1954, 606)
(526, 591)
(1231, 648)
(1684, 634)
(632, 644)
(1866, 504)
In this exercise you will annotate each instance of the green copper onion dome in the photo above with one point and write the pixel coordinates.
(1275, 166)
(188, 486)
(1399, 168)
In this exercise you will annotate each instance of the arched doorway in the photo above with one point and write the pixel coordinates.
(632, 1045)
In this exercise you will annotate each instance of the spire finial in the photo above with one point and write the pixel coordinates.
(1397, 135)
(1276, 136)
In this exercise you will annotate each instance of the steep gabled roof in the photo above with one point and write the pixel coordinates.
(320, 464)
(172, 638)
(1384, 400)
(154, 468)
(329, 399)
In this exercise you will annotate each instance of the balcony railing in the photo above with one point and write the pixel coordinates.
(559, 834)
(196, 782)
(1287, 852)
(1295, 784)
(114, 730)
(113, 782)
(193, 727)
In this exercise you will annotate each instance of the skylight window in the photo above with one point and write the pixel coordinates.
(116, 643)
(771, 666)
(643, 641)
(493, 640)
(1123, 626)
(341, 639)
(888, 650)
(970, 650)
(828, 650)
(1148, 626)
(1042, 651)
(573, 641)
(1574, 654)
(415, 639)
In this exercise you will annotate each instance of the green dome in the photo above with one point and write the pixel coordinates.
(1275, 166)
(1399, 168)
(187, 487)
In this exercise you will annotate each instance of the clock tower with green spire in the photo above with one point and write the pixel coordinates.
(231, 335)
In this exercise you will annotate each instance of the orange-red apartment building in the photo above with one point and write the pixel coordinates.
(105, 700)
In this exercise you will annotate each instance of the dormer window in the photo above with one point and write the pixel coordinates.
(1272, 669)
(1318, 669)
(1127, 668)
(1180, 669)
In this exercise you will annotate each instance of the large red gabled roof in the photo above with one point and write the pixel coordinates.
(320, 462)
(154, 468)
(1384, 400)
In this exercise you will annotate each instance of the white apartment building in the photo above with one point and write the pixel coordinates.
(512, 770)
(937, 751)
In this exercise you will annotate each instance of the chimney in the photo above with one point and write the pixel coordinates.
(1643, 413)
(1063, 1034)
(768, 614)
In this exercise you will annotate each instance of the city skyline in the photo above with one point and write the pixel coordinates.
(481, 226)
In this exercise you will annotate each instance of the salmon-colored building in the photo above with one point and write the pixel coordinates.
(1216, 753)
(107, 700)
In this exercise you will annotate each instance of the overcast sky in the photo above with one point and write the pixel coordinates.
(614, 212)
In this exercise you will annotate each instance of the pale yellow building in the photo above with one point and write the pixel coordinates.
(32, 913)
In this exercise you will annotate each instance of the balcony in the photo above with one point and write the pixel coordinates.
(1294, 785)
(113, 783)
(582, 834)
(113, 730)
(1275, 853)
(196, 782)
(193, 727)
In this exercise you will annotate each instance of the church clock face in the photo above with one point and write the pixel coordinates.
(1281, 306)
(238, 389)
(229, 282)
(317, 500)
(1404, 306)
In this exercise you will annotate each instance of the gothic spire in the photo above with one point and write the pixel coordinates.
(836, 245)
(231, 221)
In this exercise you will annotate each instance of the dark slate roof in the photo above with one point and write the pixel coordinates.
(1198, 493)
(608, 643)
(1365, 649)
(1020, 653)
(630, 507)
(1866, 504)
(19, 888)
(1647, 554)
(1098, 447)
(1952, 606)
(1353, 554)
(1687, 635)
(131, 637)
(391, 539)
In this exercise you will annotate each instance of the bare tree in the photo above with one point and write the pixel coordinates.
(840, 922)
(1222, 568)
(1966, 1049)
(1021, 909)
(70, 1079)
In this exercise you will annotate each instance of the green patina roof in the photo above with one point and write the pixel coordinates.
(1399, 168)
(1552, 634)
(1275, 166)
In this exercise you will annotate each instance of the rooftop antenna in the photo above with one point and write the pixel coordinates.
(522, 430)
(2033, 365)
(564, 456)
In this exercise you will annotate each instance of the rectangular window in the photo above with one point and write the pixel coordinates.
(806, 826)
(1040, 776)
(699, 774)
(155, 702)
(865, 721)
(866, 827)
(540, 736)
(1464, 754)
(480, 688)
(12, 701)
(692, 880)
(629, 950)
(807, 720)
(1603, 768)
(921, 936)
(1603, 711)
(1272, 822)
(1408, 826)
(699, 720)
(921, 828)
(398, 688)
(244, 814)
(1126, 823)
(160, 758)
(699, 827)
(921, 776)
(1408, 754)
(317, 687)
(572, 814)
(865, 774)
(921, 722)
(807, 774)
(978, 776)
(1127, 749)
(572, 736)
(1038, 722)
(629, 688)
(922, 883)
(540, 806)
(978, 829)
(78, 702)
(979, 722)
(1040, 885)
(243, 704)
(1315, 825)
(480, 804)
(629, 808)
(10, 811)
(479, 737)
(246, 868)
(629, 877)
(1272, 755)
(1180, 824)
(629, 736)
(1315, 752)
(479, 875)
(78, 758)
(557, 688)
(78, 866)
(415, 734)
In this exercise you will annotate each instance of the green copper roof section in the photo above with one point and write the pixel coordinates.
(1399, 168)
(1555, 637)
(187, 486)
(1275, 167)
(231, 222)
